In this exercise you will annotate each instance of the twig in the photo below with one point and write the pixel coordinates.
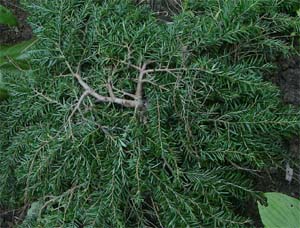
(110, 90)
(86, 93)
(47, 98)
(245, 169)
(139, 87)
(155, 210)
(136, 103)
(124, 93)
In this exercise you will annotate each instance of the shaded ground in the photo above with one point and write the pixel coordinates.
(289, 80)
(12, 35)
(10, 218)
(162, 9)
(273, 180)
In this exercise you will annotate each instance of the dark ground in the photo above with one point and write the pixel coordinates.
(273, 180)
(288, 80)
(12, 35)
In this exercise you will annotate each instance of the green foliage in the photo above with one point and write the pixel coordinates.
(282, 211)
(32, 214)
(7, 17)
(179, 166)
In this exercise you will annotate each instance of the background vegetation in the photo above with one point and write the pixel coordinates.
(208, 124)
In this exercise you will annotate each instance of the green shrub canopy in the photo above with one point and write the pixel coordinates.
(179, 161)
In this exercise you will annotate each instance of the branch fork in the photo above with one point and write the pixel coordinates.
(137, 102)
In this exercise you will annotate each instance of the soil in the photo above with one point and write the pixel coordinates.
(163, 12)
(13, 35)
(273, 180)
(288, 80)
(10, 218)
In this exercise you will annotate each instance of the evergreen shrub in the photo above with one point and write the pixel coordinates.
(186, 156)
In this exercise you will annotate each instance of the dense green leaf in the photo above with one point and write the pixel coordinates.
(7, 17)
(3, 94)
(10, 64)
(281, 211)
(16, 50)
(14, 57)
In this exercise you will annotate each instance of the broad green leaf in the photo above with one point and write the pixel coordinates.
(9, 64)
(14, 57)
(17, 49)
(6, 17)
(3, 94)
(282, 211)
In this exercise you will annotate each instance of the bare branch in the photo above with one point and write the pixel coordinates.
(110, 90)
(47, 98)
(86, 93)
(124, 93)
(98, 97)
(254, 172)
(137, 99)
(139, 88)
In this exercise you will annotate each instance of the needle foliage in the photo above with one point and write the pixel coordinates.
(187, 160)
